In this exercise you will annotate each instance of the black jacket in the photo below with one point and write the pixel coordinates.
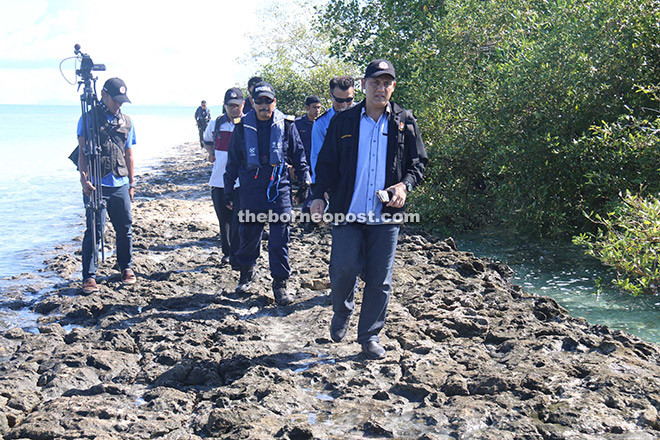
(336, 166)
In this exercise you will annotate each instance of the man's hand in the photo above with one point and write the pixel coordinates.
(86, 184)
(316, 210)
(131, 192)
(399, 195)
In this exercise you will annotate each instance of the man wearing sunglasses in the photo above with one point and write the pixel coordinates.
(261, 145)
(372, 157)
(342, 92)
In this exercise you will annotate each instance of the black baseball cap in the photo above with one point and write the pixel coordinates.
(379, 67)
(263, 89)
(312, 99)
(116, 88)
(234, 96)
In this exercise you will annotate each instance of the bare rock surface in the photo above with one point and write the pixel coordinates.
(181, 356)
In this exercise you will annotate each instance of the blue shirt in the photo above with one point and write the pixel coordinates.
(370, 170)
(319, 130)
(111, 179)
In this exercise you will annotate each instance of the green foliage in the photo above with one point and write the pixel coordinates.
(294, 57)
(514, 100)
(628, 239)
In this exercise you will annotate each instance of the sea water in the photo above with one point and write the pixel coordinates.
(41, 202)
(563, 272)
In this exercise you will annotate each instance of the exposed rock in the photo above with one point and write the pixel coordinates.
(181, 356)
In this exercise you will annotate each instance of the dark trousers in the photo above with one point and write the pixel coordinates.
(368, 250)
(228, 220)
(278, 247)
(201, 129)
(118, 207)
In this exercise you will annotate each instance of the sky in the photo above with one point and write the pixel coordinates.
(168, 53)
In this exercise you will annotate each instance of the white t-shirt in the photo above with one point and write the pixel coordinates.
(221, 148)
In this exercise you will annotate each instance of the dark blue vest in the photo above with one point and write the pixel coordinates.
(276, 140)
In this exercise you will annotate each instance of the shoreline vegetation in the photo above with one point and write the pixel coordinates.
(535, 116)
(181, 356)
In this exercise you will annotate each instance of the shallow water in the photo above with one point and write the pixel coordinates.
(562, 272)
(41, 205)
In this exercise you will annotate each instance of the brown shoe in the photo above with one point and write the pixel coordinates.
(128, 276)
(90, 286)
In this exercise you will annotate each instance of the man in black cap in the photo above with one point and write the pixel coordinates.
(262, 144)
(250, 86)
(202, 118)
(304, 125)
(216, 141)
(372, 157)
(116, 136)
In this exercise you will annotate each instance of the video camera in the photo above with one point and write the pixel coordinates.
(86, 64)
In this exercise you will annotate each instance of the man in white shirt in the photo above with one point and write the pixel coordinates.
(216, 141)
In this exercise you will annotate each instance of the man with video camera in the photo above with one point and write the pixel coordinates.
(116, 135)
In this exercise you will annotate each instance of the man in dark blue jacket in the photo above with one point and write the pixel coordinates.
(250, 86)
(261, 144)
(304, 125)
(202, 117)
(371, 158)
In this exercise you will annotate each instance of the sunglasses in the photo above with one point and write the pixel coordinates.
(262, 101)
(341, 100)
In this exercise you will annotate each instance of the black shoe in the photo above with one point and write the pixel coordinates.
(373, 350)
(338, 328)
(282, 295)
(245, 281)
(309, 227)
(225, 259)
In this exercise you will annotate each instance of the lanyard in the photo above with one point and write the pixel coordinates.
(275, 178)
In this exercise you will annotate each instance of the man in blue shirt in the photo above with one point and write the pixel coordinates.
(342, 92)
(116, 137)
(372, 157)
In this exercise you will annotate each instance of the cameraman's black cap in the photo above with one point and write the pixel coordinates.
(234, 96)
(312, 99)
(263, 89)
(379, 67)
(116, 88)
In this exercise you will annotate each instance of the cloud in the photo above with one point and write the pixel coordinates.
(167, 54)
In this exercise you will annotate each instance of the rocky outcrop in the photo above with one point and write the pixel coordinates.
(181, 356)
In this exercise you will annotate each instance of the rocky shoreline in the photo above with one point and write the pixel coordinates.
(181, 356)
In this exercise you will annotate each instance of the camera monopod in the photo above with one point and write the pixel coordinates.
(92, 148)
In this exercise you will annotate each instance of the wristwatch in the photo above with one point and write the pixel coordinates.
(408, 186)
